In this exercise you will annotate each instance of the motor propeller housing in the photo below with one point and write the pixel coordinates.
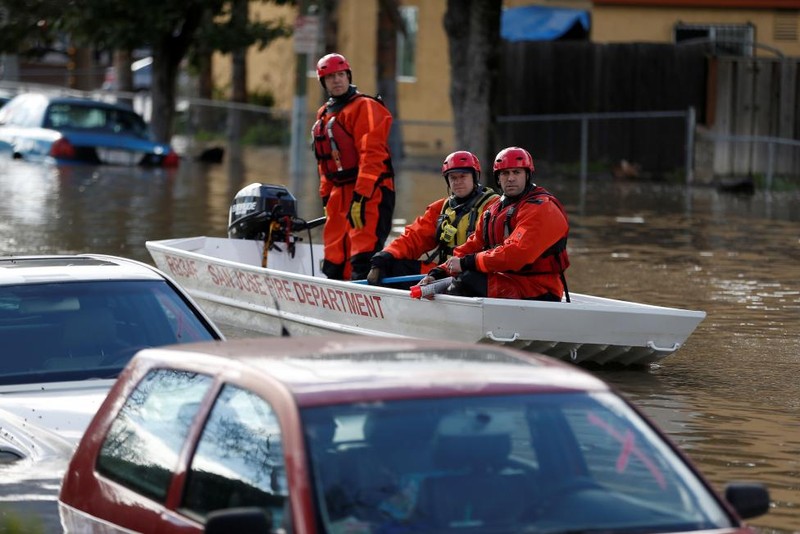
(256, 206)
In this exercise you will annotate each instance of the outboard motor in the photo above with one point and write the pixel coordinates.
(256, 206)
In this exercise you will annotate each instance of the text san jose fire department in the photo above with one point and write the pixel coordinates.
(331, 298)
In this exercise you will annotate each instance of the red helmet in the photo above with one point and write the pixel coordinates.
(332, 63)
(511, 158)
(462, 160)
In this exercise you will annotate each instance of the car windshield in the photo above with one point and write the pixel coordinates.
(544, 463)
(77, 330)
(63, 116)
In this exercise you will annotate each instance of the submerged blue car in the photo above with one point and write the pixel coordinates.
(60, 130)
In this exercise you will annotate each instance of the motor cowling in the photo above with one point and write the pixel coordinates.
(256, 206)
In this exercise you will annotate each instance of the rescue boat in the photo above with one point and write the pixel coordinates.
(281, 290)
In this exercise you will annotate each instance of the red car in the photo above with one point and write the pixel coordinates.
(357, 434)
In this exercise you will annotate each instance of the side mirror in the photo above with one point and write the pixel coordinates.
(249, 519)
(748, 499)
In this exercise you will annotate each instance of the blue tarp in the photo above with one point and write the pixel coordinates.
(539, 23)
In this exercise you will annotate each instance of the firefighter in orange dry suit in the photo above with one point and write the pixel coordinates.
(446, 223)
(519, 247)
(355, 169)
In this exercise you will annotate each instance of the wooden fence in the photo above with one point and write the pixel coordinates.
(754, 98)
(732, 97)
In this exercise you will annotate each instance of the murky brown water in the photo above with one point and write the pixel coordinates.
(730, 397)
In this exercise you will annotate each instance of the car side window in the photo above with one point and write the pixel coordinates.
(142, 446)
(239, 458)
(57, 116)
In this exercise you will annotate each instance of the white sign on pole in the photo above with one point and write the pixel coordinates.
(306, 34)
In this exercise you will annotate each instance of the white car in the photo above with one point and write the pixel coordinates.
(68, 326)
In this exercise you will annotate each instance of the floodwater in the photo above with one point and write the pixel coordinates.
(730, 397)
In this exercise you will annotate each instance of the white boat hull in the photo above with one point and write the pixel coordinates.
(226, 277)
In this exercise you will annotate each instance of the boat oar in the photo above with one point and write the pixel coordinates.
(395, 279)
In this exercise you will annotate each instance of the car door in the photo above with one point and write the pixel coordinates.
(238, 461)
(127, 478)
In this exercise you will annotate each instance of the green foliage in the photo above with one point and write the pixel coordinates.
(266, 133)
(14, 523)
(261, 98)
(28, 29)
(205, 136)
(234, 34)
(780, 183)
(172, 29)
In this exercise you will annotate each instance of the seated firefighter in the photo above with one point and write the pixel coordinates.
(446, 223)
(519, 247)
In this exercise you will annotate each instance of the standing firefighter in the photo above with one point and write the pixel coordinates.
(446, 223)
(356, 178)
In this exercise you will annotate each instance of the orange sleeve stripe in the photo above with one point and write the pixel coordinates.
(479, 262)
(370, 124)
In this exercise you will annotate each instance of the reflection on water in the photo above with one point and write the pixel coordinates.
(730, 397)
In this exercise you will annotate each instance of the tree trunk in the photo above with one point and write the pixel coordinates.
(473, 32)
(122, 70)
(389, 23)
(165, 71)
(168, 53)
(123, 75)
(82, 70)
(203, 53)
(239, 16)
(329, 21)
(205, 90)
(330, 25)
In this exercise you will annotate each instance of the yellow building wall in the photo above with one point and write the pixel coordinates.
(269, 70)
(618, 24)
(424, 102)
(426, 98)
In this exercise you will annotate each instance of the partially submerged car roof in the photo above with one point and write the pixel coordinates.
(79, 267)
(327, 369)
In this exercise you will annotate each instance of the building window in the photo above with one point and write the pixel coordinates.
(723, 39)
(407, 43)
(785, 26)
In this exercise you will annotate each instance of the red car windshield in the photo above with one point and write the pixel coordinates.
(517, 463)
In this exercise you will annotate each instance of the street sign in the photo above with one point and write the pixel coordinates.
(306, 34)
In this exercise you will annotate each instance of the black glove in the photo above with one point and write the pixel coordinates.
(468, 262)
(374, 276)
(356, 215)
(380, 262)
(437, 273)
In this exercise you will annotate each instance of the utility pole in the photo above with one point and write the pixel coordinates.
(306, 29)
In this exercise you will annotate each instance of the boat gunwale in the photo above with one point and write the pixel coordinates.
(587, 302)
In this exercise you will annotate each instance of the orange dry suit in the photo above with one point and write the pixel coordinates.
(521, 245)
(351, 146)
(431, 238)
